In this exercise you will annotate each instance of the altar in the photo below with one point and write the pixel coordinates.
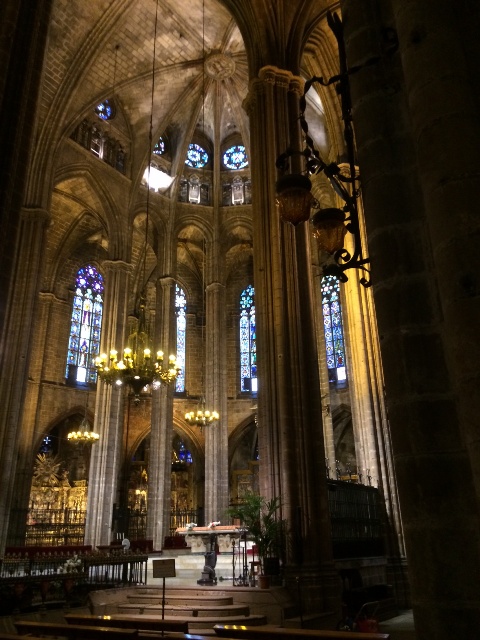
(205, 540)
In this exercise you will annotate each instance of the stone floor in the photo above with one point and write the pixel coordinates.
(188, 569)
(401, 627)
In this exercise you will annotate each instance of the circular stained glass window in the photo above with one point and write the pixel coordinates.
(89, 278)
(235, 157)
(159, 148)
(105, 110)
(196, 156)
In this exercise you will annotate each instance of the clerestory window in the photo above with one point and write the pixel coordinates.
(85, 326)
(181, 313)
(248, 341)
(333, 330)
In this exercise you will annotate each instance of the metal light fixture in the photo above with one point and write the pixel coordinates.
(294, 197)
(202, 417)
(84, 434)
(138, 368)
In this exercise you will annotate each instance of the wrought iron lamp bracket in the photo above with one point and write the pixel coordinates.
(314, 164)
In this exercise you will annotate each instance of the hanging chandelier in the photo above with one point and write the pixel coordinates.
(84, 434)
(202, 417)
(137, 368)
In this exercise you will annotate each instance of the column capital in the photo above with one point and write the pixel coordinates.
(280, 77)
(117, 266)
(49, 296)
(273, 76)
(37, 214)
(166, 281)
(214, 286)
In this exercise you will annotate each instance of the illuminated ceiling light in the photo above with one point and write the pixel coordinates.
(138, 368)
(84, 434)
(201, 417)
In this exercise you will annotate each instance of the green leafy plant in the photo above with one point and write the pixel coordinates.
(261, 516)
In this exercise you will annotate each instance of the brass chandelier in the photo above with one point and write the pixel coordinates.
(84, 434)
(138, 368)
(202, 417)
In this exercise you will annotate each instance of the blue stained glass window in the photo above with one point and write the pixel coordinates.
(86, 325)
(184, 455)
(235, 157)
(105, 110)
(181, 313)
(196, 156)
(248, 341)
(333, 329)
(159, 147)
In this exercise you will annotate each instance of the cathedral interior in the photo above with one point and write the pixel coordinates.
(140, 160)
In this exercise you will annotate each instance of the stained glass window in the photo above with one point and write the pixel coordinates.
(235, 157)
(86, 325)
(333, 329)
(159, 147)
(105, 110)
(248, 339)
(197, 157)
(181, 313)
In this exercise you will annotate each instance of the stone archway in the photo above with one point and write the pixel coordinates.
(243, 460)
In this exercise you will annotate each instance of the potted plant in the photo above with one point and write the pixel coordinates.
(261, 517)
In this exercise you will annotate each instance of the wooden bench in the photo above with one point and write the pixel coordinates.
(260, 633)
(140, 622)
(73, 631)
(15, 636)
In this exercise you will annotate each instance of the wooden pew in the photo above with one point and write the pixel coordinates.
(281, 633)
(140, 622)
(73, 631)
(15, 636)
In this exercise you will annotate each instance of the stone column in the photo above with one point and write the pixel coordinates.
(216, 435)
(107, 454)
(16, 348)
(160, 462)
(413, 114)
(290, 429)
(24, 29)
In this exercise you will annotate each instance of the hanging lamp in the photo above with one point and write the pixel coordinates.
(84, 434)
(138, 368)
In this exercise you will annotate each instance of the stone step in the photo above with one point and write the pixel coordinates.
(178, 599)
(194, 611)
(194, 624)
(188, 569)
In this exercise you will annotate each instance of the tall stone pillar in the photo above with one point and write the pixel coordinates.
(291, 448)
(160, 462)
(24, 30)
(216, 435)
(107, 454)
(16, 348)
(412, 112)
